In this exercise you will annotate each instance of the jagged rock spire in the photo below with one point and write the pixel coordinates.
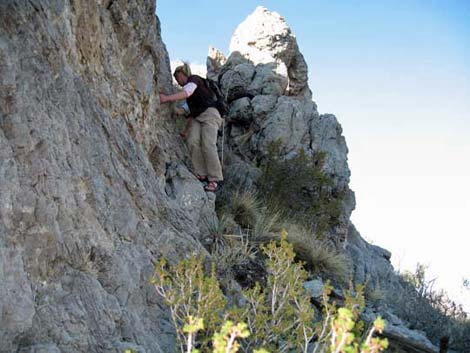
(264, 37)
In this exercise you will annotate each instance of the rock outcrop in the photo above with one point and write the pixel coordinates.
(93, 185)
(265, 78)
(265, 38)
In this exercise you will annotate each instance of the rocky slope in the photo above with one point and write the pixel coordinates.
(266, 81)
(94, 178)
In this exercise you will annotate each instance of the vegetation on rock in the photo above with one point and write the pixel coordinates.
(277, 316)
(430, 310)
(300, 187)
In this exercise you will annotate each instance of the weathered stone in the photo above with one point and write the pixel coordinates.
(314, 288)
(405, 340)
(288, 123)
(370, 264)
(265, 38)
(214, 63)
(263, 105)
(235, 82)
(269, 79)
(327, 135)
(41, 348)
(84, 214)
(241, 111)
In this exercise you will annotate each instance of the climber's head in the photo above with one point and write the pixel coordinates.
(182, 73)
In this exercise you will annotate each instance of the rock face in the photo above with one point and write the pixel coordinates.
(93, 187)
(94, 183)
(266, 80)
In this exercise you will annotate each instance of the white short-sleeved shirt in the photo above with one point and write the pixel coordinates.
(189, 88)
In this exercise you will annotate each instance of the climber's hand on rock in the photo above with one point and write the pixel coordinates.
(180, 111)
(184, 134)
(163, 98)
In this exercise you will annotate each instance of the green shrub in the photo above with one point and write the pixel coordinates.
(225, 340)
(278, 316)
(195, 300)
(300, 187)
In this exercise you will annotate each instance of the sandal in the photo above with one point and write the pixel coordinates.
(211, 187)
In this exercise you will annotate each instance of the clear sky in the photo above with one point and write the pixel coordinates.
(396, 73)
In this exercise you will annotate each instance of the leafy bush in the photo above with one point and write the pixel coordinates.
(195, 300)
(278, 316)
(300, 186)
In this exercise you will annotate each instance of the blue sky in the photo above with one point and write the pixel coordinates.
(397, 76)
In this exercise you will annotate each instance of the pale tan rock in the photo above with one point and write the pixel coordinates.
(263, 38)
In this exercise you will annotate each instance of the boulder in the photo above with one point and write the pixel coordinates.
(235, 83)
(241, 111)
(289, 122)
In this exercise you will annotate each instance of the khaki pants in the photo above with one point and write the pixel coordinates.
(202, 143)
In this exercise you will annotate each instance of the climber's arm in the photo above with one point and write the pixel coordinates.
(173, 97)
(187, 91)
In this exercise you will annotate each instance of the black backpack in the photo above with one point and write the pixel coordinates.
(219, 98)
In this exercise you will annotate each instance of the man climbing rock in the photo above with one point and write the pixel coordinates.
(205, 122)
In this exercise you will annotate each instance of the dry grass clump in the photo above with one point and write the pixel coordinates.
(267, 223)
(224, 225)
(318, 254)
(233, 250)
(244, 209)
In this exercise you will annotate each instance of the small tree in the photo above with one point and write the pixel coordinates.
(195, 300)
(280, 316)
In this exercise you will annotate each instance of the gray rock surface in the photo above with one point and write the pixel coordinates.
(84, 154)
(266, 68)
(401, 338)
(314, 288)
(289, 122)
(265, 77)
(241, 111)
(94, 183)
(405, 340)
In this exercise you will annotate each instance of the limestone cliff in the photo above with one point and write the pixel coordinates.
(94, 178)
(93, 187)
